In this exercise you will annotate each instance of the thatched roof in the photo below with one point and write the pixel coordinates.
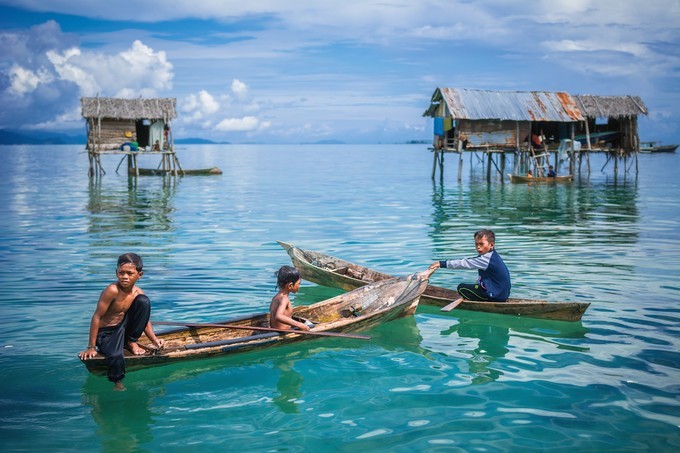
(129, 109)
(610, 106)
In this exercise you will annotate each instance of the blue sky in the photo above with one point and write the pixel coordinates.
(360, 71)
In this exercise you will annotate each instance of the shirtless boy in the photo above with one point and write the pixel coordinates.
(281, 310)
(122, 314)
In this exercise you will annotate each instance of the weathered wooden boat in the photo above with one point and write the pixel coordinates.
(539, 179)
(327, 270)
(652, 147)
(356, 310)
(189, 172)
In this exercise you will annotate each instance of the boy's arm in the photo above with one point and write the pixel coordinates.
(148, 331)
(478, 262)
(106, 297)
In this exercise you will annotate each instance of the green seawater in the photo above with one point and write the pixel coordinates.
(458, 381)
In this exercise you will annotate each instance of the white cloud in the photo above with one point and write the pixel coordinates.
(247, 123)
(239, 89)
(24, 81)
(137, 71)
(199, 106)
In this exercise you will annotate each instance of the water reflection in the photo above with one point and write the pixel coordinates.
(588, 206)
(289, 385)
(124, 418)
(485, 338)
(144, 203)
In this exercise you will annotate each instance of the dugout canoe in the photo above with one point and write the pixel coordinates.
(357, 310)
(327, 270)
(539, 179)
(189, 172)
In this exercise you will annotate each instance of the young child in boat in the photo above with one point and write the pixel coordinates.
(121, 315)
(281, 310)
(493, 283)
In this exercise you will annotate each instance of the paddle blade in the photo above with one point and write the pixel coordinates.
(452, 305)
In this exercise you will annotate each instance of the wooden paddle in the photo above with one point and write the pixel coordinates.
(453, 304)
(264, 329)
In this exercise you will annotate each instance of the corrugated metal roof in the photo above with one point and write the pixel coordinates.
(506, 105)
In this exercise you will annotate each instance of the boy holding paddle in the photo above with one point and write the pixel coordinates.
(493, 283)
(121, 316)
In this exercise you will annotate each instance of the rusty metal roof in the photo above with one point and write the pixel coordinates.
(506, 105)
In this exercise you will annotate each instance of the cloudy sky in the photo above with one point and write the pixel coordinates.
(360, 71)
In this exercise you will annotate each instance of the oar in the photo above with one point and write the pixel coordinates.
(452, 305)
(264, 329)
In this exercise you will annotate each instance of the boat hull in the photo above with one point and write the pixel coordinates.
(357, 310)
(541, 179)
(190, 172)
(329, 271)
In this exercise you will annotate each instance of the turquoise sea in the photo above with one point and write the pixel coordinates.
(458, 381)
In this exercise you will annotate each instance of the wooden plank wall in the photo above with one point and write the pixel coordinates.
(112, 133)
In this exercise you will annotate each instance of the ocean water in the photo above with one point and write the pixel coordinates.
(458, 381)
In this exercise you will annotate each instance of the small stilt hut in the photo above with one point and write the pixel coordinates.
(610, 125)
(128, 127)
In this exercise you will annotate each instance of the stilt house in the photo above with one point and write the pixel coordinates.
(498, 120)
(111, 122)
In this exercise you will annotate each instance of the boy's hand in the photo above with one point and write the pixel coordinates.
(87, 354)
(435, 265)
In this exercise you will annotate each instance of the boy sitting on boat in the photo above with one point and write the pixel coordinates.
(122, 314)
(281, 310)
(493, 283)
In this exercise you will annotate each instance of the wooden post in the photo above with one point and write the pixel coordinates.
(571, 160)
(460, 160)
(434, 162)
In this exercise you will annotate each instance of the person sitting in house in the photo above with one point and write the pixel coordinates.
(536, 141)
(157, 146)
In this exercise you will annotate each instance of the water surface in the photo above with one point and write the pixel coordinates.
(457, 381)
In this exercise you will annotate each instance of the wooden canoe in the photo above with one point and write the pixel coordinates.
(539, 179)
(326, 270)
(189, 172)
(356, 310)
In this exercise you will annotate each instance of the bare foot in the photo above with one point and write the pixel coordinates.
(118, 386)
(135, 348)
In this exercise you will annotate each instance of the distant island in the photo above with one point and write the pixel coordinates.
(39, 138)
(9, 137)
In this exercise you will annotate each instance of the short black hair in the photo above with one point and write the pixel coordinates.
(285, 275)
(131, 258)
(488, 234)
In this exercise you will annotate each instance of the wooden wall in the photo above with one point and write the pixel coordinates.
(111, 134)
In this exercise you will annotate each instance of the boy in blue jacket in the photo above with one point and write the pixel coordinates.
(493, 283)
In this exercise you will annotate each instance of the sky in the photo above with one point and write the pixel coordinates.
(304, 71)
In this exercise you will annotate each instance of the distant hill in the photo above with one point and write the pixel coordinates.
(197, 141)
(8, 137)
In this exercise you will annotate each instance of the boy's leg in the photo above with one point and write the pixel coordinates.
(110, 341)
(137, 317)
(472, 291)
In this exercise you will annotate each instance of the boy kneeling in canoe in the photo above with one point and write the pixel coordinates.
(493, 283)
(122, 314)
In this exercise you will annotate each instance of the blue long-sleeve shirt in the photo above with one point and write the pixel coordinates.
(494, 275)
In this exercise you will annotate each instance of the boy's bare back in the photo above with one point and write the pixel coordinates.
(280, 306)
